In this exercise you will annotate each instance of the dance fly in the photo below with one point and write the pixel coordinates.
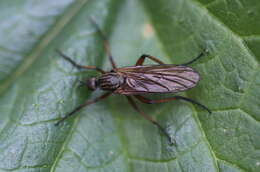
(136, 81)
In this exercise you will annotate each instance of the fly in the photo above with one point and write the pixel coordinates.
(136, 81)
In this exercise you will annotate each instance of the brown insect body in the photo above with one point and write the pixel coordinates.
(134, 81)
(147, 79)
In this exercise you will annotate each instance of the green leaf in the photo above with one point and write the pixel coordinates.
(38, 87)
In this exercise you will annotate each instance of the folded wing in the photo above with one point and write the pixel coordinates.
(157, 79)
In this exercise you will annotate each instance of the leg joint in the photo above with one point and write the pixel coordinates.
(144, 55)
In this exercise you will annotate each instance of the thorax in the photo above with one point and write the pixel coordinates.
(110, 81)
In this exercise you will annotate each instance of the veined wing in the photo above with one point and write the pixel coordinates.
(157, 79)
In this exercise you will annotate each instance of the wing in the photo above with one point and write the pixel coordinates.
(157, 79)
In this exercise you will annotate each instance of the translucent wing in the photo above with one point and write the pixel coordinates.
(157, 79)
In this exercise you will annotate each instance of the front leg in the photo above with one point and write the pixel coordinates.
(78, 65)
(105, 44)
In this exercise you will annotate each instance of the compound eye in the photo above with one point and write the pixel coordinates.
(91, 84)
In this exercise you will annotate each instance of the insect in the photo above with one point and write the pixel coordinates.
(139, 80)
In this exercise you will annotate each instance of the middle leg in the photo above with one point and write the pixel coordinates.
(149, 101)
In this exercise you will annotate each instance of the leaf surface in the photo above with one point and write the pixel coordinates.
(37, 87)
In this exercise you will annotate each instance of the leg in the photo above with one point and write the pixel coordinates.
(195, 59)
(141, 59)
(106, 44)
(148, 101)
(131, 101)
(82, 106)
(77, 65)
